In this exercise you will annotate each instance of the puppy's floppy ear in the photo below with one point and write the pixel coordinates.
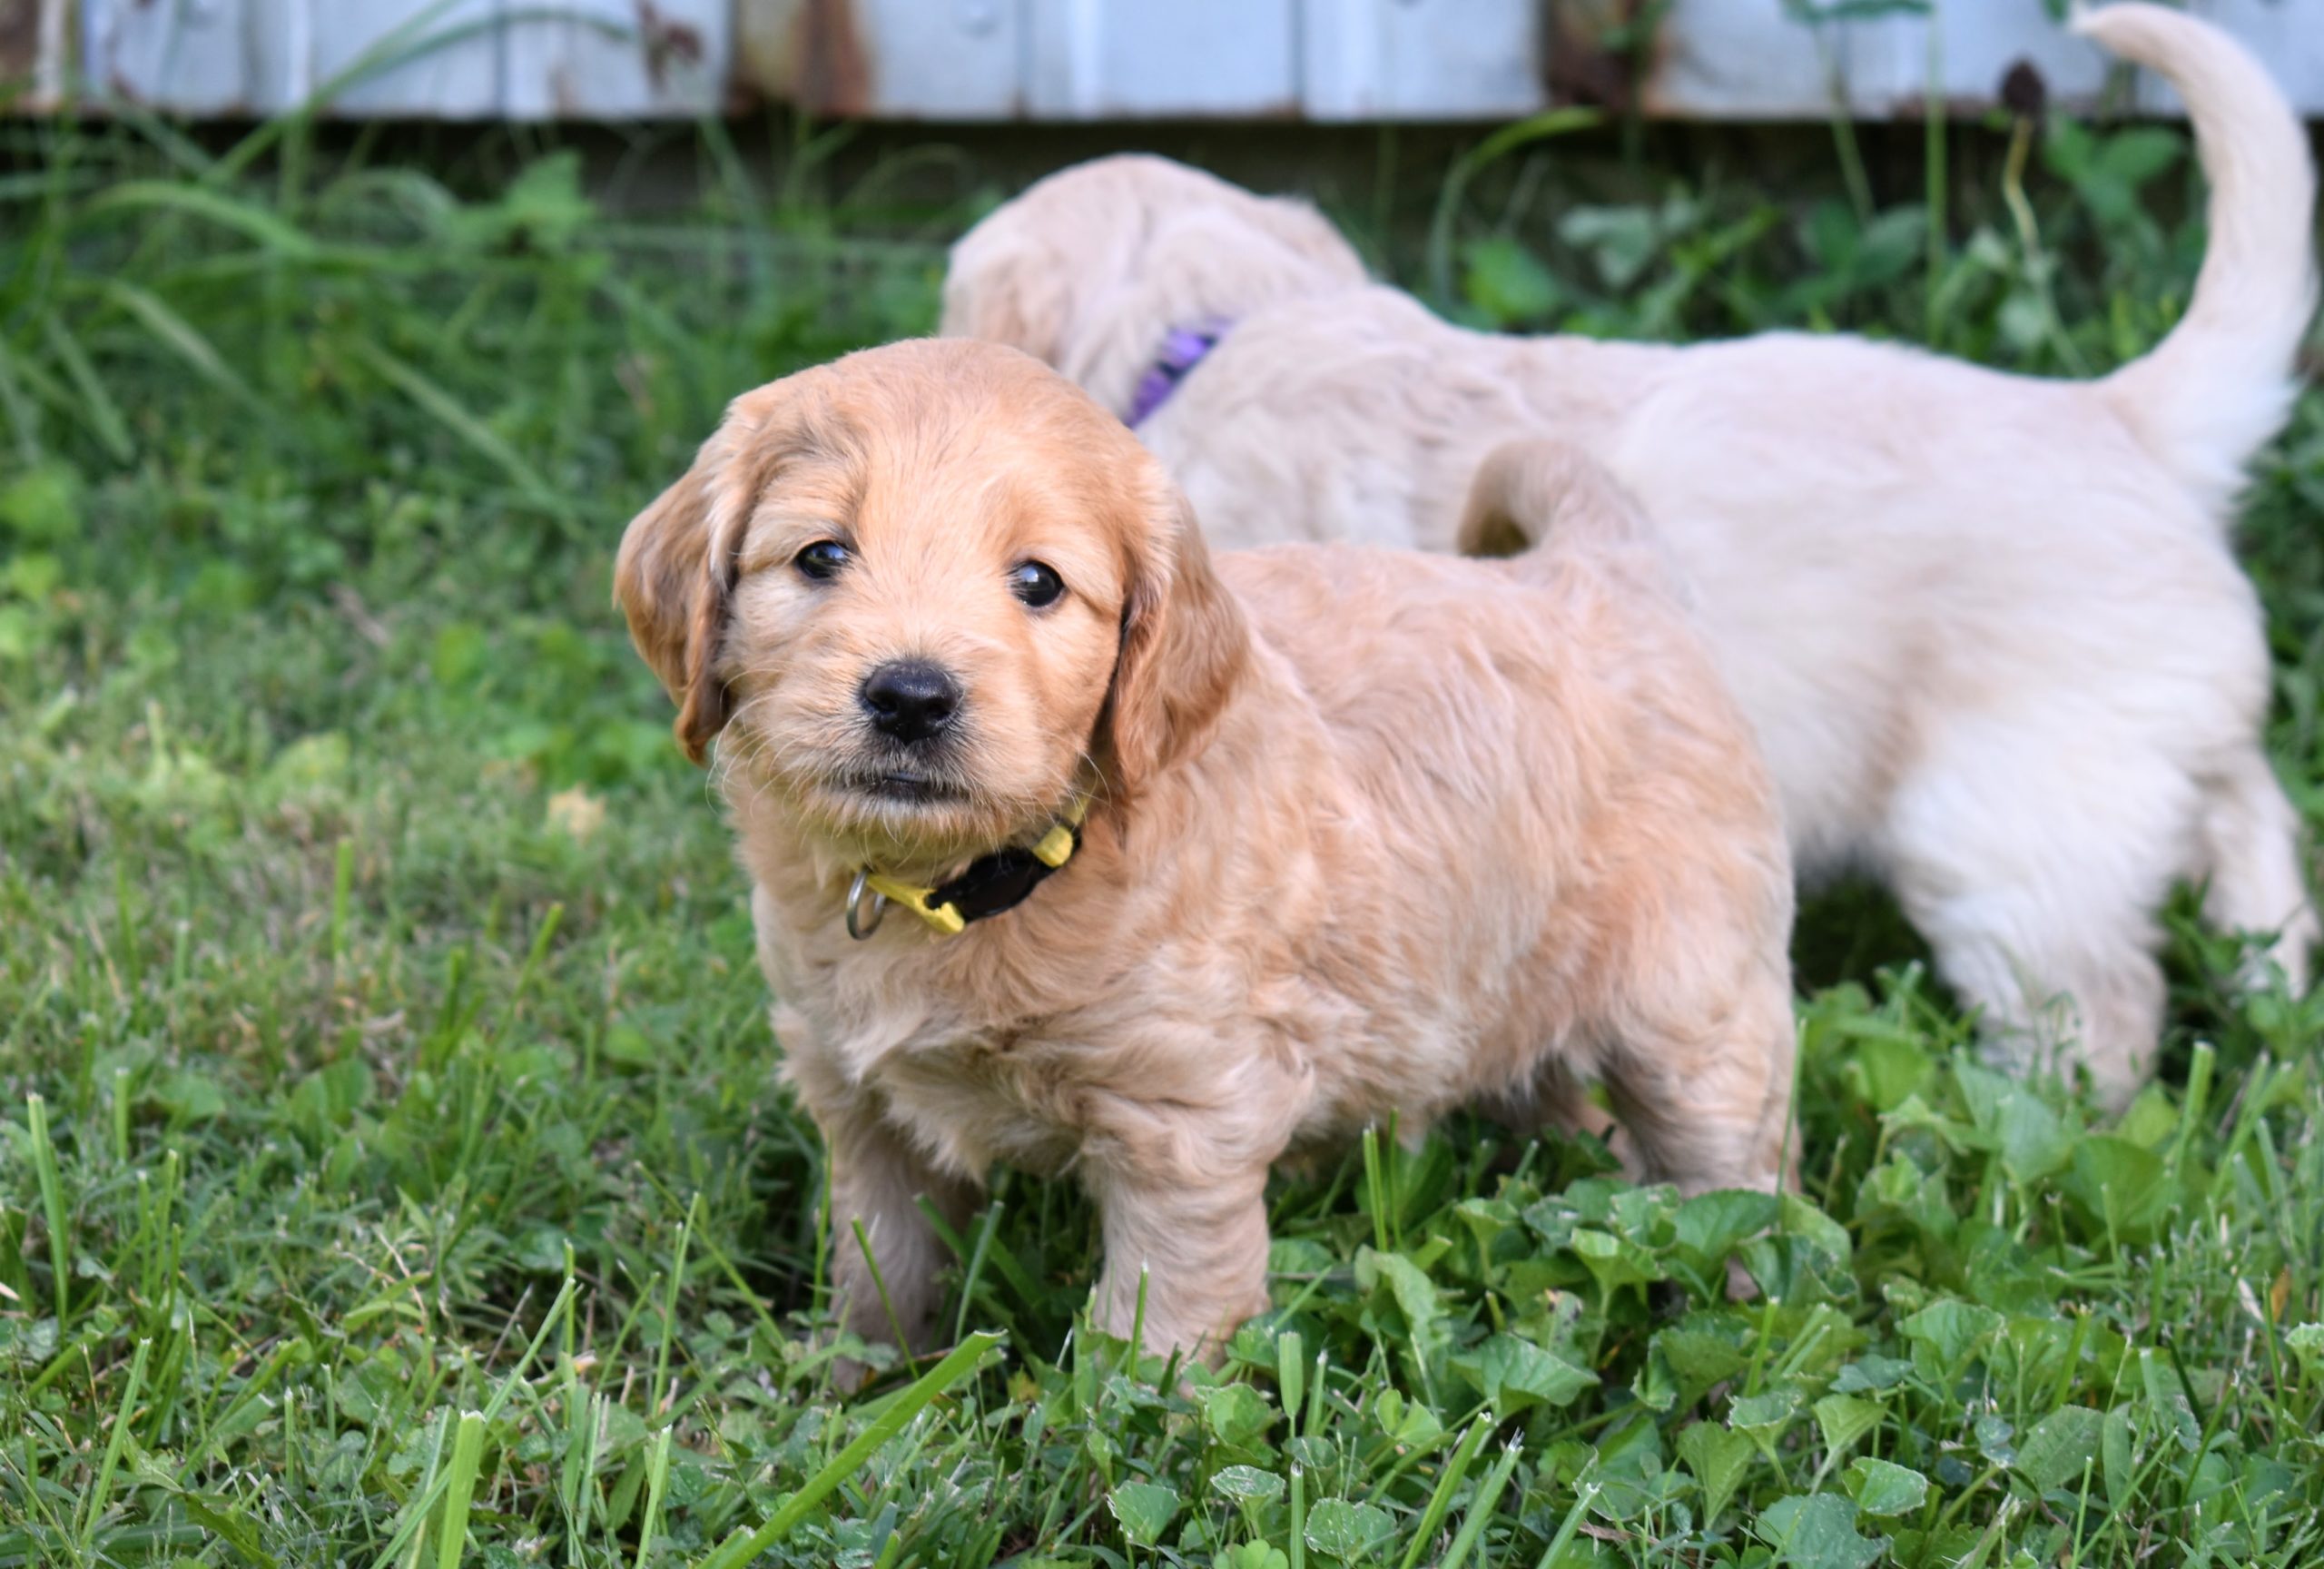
(1184, 643)
(674, 578)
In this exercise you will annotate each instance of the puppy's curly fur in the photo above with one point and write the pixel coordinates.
(1369, 831)
(1988, 628)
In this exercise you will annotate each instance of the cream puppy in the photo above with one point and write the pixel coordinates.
(1988, 628)
(1195, 864)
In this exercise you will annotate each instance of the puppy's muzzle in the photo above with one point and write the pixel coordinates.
(910, 700)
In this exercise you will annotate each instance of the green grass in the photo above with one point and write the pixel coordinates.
(391, 1168)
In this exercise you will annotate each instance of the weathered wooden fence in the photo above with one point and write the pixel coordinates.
(970, 60)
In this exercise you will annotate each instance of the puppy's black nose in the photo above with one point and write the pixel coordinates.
(911, 699)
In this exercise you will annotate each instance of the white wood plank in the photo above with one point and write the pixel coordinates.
(944, 59)
(1980, 40)
(887, 59)
(179, 56)
(445, 56)
(1079, 59)
(51, 65)
(2288, 36)
(1162, 59)
(280, 53)
(615, 59)
(1420, 59)
(1747, 60)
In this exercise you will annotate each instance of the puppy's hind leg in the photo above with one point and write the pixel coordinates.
(2250, 840)
(2034, 869)
(1705, 1091)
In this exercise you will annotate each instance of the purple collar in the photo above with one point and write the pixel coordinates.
(1183, 348)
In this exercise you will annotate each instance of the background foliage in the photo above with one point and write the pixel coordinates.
(391, 1169)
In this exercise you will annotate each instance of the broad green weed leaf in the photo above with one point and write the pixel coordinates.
(1818, 1532)
(1247, 1484)
(1413, 1293)
(1914, 1112)
(2054, 1452)
(1486, 1219)
(1508, 282)
(1718, 1457)
(1235, 1414)
(1252, 1556)
(1844, 1419)
(193, 1096)
(1516, 1374)
(1949, 1331)
(1983, 1091)
(42, 504)
(2126, 1191)
(1803, 1219)
(1994, 1435)
(1412, 1425)
(1656, 1387)
(1339, 1529)
(312, 764)
(1622, 241)
(1882, 1488)
(1770, 1412)
(1700, 1358)
(2151, 1119)
(2033, 1138)
(1615, 1261)
(1145, 1510)
(1893, 1068)
(1712, 1226)
(1871, 1372)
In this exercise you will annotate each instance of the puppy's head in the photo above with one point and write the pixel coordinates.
(919, 589)
(1091, 268)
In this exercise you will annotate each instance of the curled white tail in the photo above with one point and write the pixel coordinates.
(1539, 491)
(2221, 384)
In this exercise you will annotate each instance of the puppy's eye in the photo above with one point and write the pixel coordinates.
(820, 561)
(1036, 583)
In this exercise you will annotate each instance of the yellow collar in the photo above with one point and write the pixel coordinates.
(992, 884)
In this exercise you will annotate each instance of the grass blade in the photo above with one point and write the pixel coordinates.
(97, 405)
(740, 1548)
(52, 1201)
(1481, 1509)
(466, 427)
(1572, 1524)
(415, 1511)
(1298, 1537)
(1508, 138)
(459, 1489)
(179, 336)
(657, 1478)
(22, 422)
(251, 221)
(1440, 1502)
(101, 1493)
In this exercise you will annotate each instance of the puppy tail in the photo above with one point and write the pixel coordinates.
(2221, 384)
(1544, 494)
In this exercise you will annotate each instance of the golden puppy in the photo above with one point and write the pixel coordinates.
(1989, 630)
(1219, 861)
